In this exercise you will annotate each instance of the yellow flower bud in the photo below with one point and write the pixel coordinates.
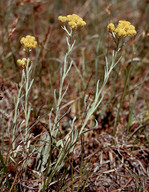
(63, 19)
(111, 27)
(22, 62)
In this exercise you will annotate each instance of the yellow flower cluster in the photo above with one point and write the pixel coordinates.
(73, 20)
(29, 42)
(22, 62)
(124, 28)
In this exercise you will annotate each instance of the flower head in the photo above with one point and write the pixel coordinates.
(123, 29)
(73, 20)
(22, 62)
(29, 42)
(63, 19)
(111, 27)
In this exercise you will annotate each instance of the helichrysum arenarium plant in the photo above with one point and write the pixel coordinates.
(20, 151)
(123, 30)
(64, 145)
(53, 141)
(29, 43)
(67, 143)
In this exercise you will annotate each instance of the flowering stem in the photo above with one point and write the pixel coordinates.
(16, 112)
(98, 97)
(63, 73)
(27, 107)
